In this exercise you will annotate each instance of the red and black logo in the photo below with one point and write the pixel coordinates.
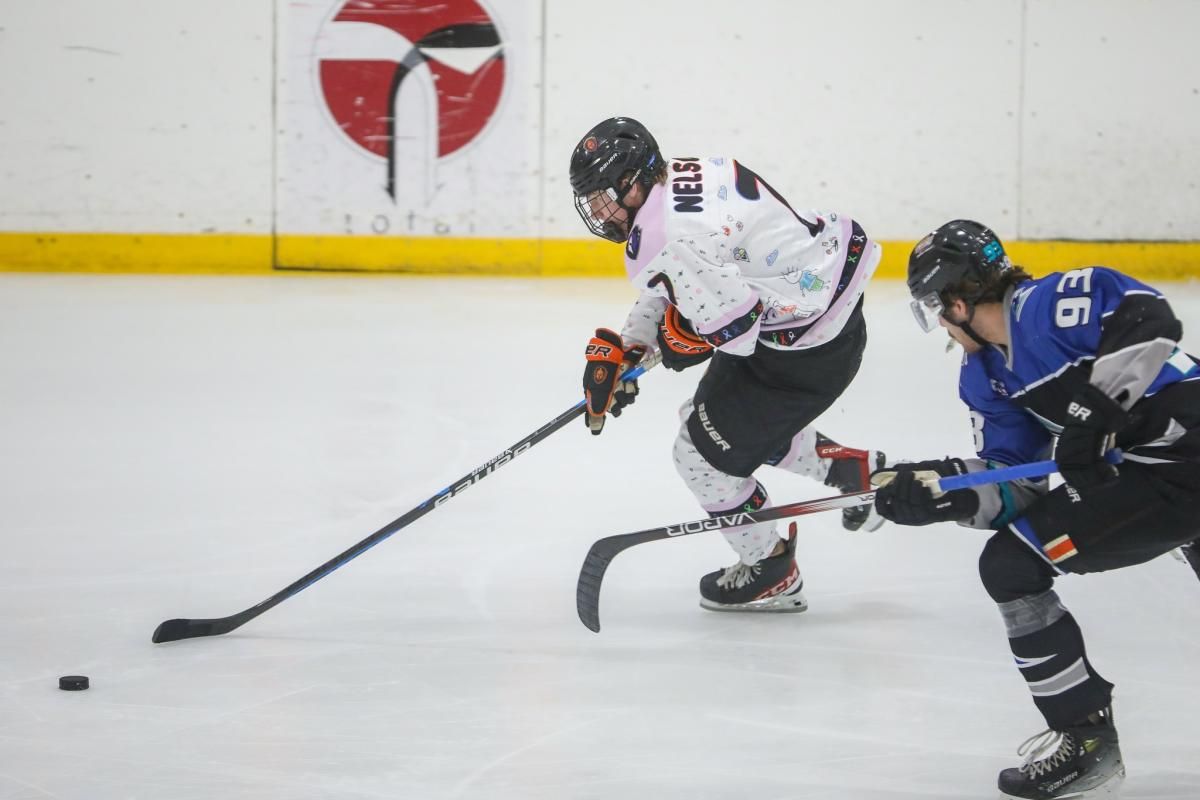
(361, 92)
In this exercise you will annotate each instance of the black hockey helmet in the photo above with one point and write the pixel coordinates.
(610, 150)
(964, 256)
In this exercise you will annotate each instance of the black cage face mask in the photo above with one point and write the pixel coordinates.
(604, 214)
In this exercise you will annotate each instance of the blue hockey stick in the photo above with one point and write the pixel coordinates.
(1034, 469)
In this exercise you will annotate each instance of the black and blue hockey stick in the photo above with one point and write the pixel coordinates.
(175, 629)
(603, 551)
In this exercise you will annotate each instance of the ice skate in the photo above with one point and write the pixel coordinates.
(773, 584)
(1083, 761)
(850, 471)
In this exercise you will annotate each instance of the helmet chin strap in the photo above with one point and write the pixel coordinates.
(965, 327)
(630, 212)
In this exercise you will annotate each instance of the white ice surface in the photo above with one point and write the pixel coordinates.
(178, 446)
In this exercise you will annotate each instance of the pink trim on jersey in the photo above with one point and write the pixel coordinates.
(725, 319)
(730, 505)
(854, 289)
(651, 225)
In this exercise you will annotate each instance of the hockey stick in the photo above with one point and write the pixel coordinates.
(174, 629)
(603, 551)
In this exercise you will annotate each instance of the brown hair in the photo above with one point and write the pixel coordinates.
(991, 291)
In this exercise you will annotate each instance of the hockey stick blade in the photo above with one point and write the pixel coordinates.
(175, 629)
(603, 551)
(587, 591)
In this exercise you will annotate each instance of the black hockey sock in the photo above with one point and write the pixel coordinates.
(1065, 686)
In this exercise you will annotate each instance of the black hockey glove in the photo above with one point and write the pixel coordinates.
(680, 345)
(603, 390)
(905, 498)
(1093, 419)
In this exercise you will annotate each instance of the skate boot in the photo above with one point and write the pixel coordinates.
(772, 584)
(1086, 763)
(850, 471)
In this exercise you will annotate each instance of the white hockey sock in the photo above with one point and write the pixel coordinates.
(719, 493)
(802, 459)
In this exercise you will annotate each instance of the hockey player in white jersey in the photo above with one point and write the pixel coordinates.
(730, 274)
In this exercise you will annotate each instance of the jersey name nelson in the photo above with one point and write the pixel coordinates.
(687, 185)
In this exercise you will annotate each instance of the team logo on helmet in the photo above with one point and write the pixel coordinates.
(924, 245)
(590, 143)
(369, 78)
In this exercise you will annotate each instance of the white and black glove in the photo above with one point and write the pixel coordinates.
(603, 389)
(905, 494)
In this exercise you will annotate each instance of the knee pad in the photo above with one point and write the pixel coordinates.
(1010, 570)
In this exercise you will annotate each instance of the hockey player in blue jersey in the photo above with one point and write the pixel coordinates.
(1080, 362)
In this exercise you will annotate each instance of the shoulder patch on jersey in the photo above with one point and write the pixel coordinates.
(1019, 299)
(635, 242)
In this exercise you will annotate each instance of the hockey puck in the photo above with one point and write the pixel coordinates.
(73, 683)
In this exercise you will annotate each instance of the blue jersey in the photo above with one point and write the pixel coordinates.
(1092, 325)
(1004, 433)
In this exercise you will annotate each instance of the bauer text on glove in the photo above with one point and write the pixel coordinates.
(680, 345)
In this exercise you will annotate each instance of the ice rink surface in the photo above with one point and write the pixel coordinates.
(179, 446)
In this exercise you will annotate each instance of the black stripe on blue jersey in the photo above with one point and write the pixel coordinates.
(1139, 318)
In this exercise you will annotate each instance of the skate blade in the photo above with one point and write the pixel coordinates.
(874, 522)
(782, 604)
(1109, 790)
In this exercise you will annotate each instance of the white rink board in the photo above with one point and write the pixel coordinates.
(1069, 119)
(128, 115)
(1112, 102)
(840, 106)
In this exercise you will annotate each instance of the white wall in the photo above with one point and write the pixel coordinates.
(136, 115)
(1046, 118)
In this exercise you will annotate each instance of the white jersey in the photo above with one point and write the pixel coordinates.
(735, 259)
